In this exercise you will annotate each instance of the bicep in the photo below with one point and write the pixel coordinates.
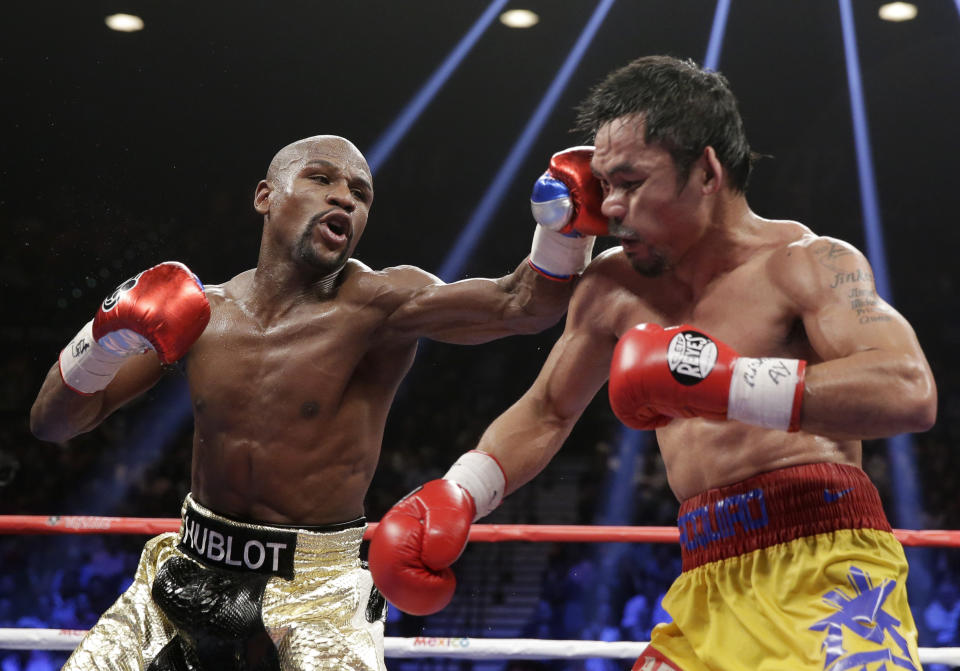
(869, 376)
(842, 313)
(837, 329)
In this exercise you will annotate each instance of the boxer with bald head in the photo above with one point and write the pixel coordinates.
(762, 356)
(292, 367)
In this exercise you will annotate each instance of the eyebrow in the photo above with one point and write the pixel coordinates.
(333, 166)
(617, 169)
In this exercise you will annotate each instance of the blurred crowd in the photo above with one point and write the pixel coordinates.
(606, 592)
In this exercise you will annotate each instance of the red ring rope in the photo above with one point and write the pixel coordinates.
(84, 524)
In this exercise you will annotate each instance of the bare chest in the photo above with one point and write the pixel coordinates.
(296, 368)
(741, 308)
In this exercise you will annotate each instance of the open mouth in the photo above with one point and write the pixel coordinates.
(335, 228)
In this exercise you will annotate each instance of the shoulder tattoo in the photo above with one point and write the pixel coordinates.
(828, 253)
(867, 306)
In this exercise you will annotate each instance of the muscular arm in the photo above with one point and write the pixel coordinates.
(59, 413)
(475, 310)
(873, 379)
(424, 533)
(151, 318)
(527, 436)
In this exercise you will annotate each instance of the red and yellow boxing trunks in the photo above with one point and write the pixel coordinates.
(792, 570)
(225, 594)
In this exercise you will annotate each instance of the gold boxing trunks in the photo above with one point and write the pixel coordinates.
(792, 569)
(222, 594)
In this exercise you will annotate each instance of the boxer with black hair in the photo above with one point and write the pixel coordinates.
(762, 356)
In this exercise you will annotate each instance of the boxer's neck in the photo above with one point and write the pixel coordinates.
(274, 289)
(326, 283)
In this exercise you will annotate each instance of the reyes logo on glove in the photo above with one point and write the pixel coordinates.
(691, 356)
(111, 301)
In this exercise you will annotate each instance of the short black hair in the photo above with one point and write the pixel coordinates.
(684, 108)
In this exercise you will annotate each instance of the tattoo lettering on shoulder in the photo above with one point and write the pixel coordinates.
(851, 278)
(867, 306)
(828, 253)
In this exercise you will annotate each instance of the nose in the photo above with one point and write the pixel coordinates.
(339, 195)
(613, 205)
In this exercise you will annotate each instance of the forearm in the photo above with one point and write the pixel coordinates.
(478, 310)
(534, 302)
(869, 394)
(523, 440)
(59, 413)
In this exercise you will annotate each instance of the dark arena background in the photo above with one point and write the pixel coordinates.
(122, 149)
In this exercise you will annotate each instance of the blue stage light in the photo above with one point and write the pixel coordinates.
(907, 506)
(616, 508)
(869, 201)
(719, 29)
(391, 137)
(476, 225)
(155, 426)
(900, 448)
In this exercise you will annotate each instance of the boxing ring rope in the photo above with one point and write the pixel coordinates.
(482, 533)
(421, 646)
(428, 646)
(431, 646)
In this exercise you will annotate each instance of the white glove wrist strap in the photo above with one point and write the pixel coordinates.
(88, 366)
(483, 478)
(766, 392)
(85, 366)
(559, 255)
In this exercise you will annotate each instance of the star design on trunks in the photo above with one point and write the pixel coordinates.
(863, 616)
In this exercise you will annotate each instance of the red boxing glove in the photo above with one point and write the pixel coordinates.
(163, 308)
(416, 542)
(165, 304)
(567, 197)
(657, 374)
(566, 204)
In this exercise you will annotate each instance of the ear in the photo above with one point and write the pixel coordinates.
(261, 197)
(713, 173)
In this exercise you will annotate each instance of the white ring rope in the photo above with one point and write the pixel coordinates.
(429, 646)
